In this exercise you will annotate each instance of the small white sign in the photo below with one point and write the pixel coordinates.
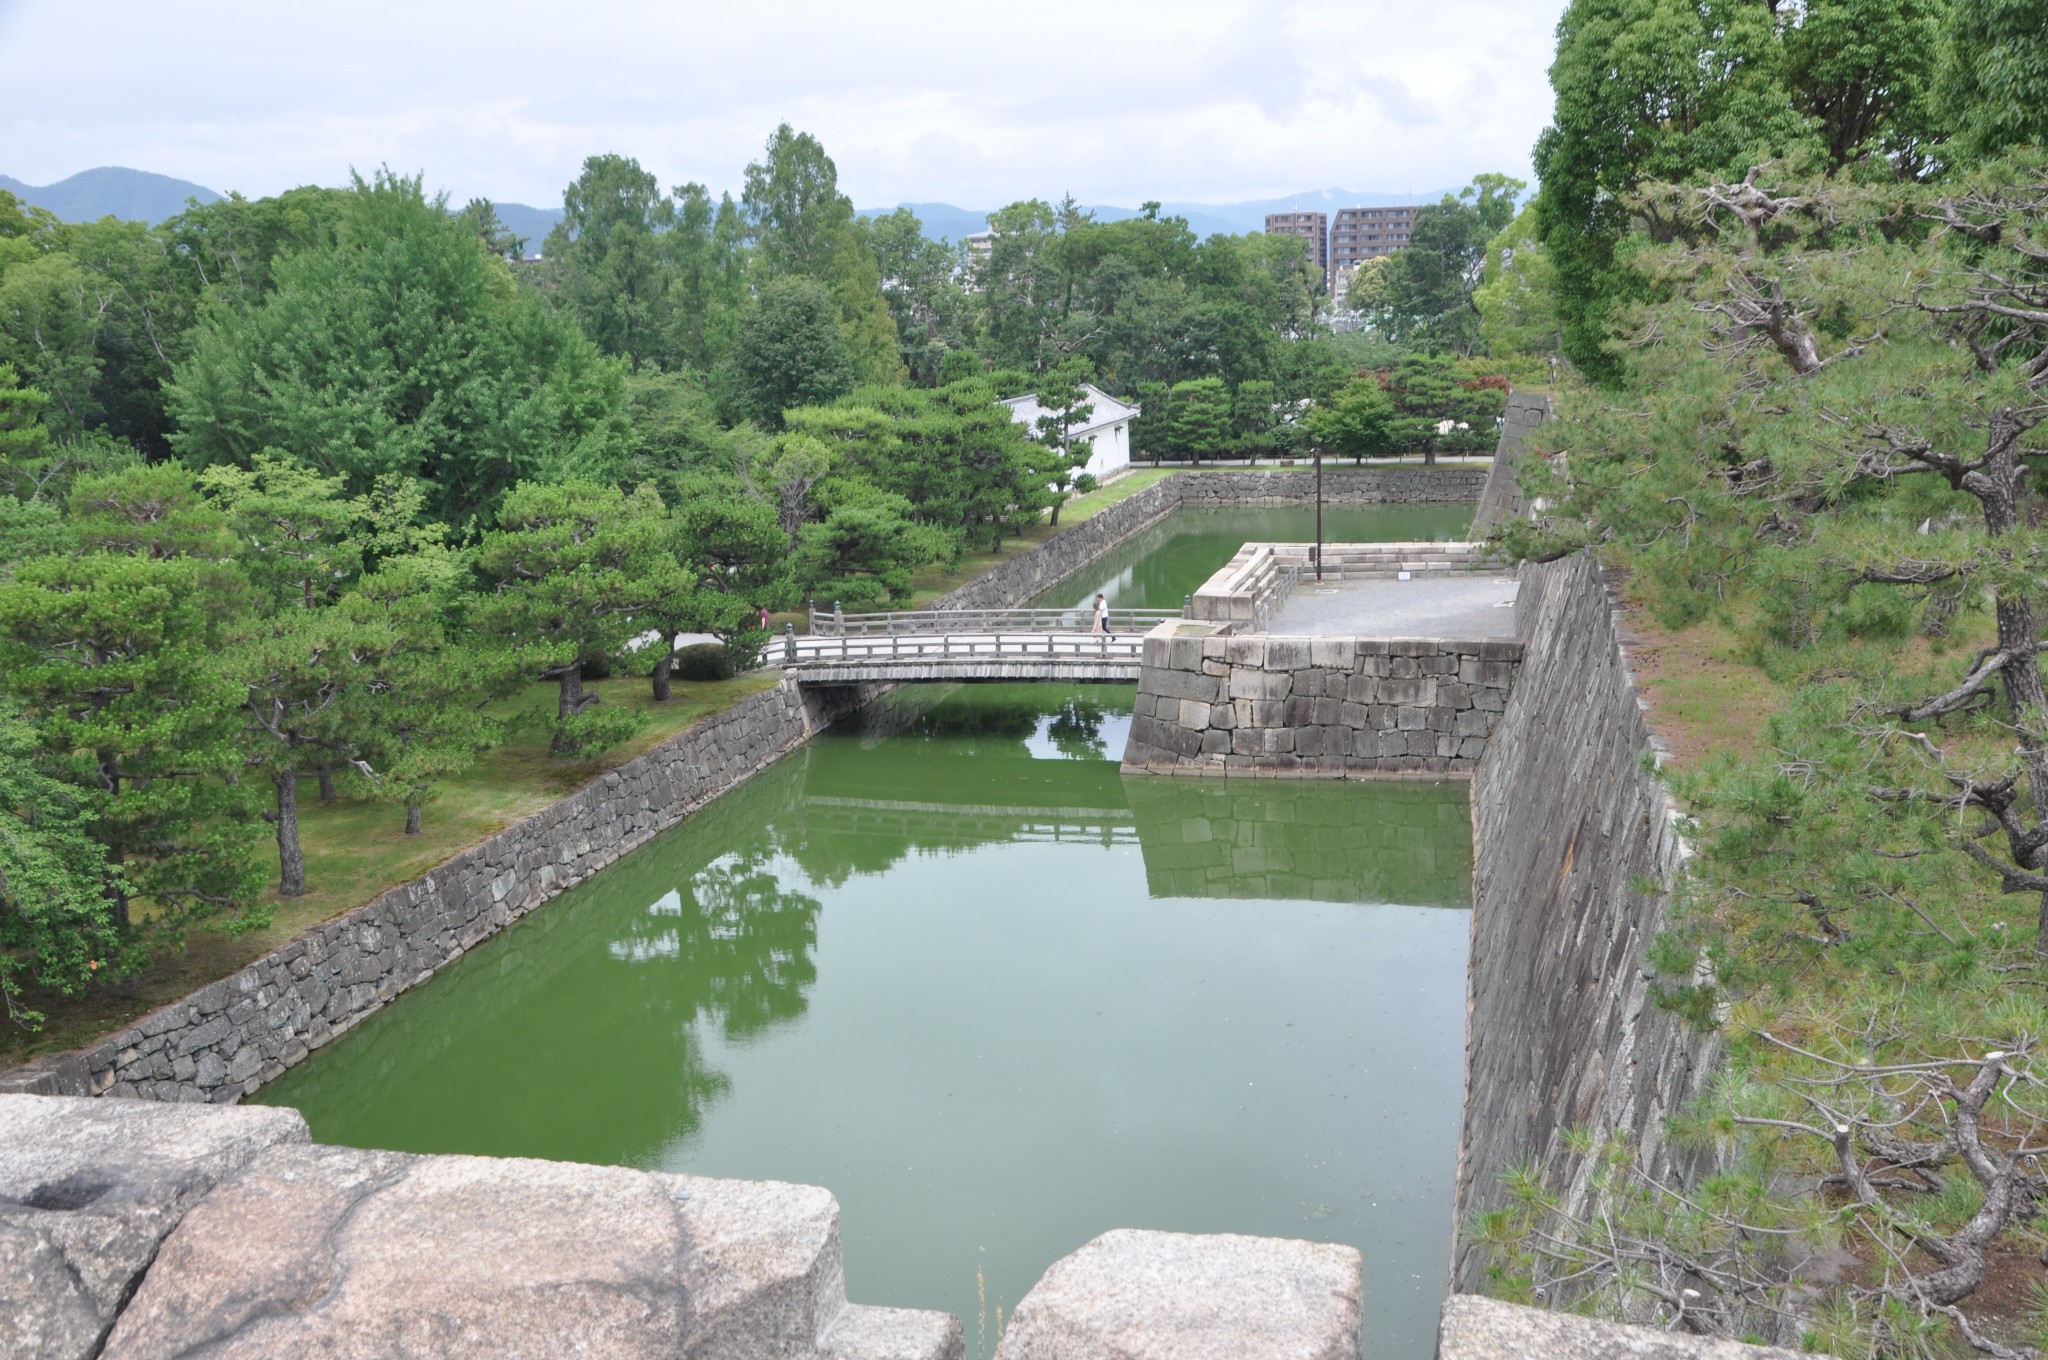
(1404, 576)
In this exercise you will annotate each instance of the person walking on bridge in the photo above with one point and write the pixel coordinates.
(1102, 616)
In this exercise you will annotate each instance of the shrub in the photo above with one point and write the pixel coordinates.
(703, 661)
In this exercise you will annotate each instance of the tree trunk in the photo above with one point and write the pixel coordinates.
(572, 699)
(412, 819)
(1429, 455)
(1999, 486)
(661, 674)
(1056, 513)
(291, 861)
(326, 773)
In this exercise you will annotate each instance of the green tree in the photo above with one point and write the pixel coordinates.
(707, 255)
(57, 928)
(112, 650)
(401, 349)
(1647, 90)
(1442, 404)
(1359, 421)
(1065, 407)
(783, 473)
(1425, 293)
(480, 215)
(566, 569)
(294, 673)
(612, 254)
(51, 311)
(861, 555)
(804, 228)
(421, 716)
(721, 555)
(1201, 418)
(1254, 412)
(1994, 67)
(790, 352)
(1516, 297)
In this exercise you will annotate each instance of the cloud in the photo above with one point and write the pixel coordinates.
(917, 100)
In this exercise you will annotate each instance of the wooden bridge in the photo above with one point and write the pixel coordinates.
(965, 645)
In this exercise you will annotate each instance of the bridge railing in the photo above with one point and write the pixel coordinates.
(832, 623)
(907, 646)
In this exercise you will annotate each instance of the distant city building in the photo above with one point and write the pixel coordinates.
(1106, 428)
(980, 246)
(1358, 235)
(1361, 234)
(1313, 227)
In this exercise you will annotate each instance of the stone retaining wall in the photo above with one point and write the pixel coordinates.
(1562, 1032)
(1329, 707)
(1291, 486)
(227, 1039)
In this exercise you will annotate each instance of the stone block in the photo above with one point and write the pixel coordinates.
(1194, 713)
(1223, 716)
(89, 1189)
(1181, 685)
(1132, 1295)
(1475, 1328)
(1287, 653)
(1336, 653)
(1245, 651)
(1419, 691)
(864, 1333)
(1184, 653)
(1246, 683)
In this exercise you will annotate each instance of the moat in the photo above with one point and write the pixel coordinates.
(948, 963)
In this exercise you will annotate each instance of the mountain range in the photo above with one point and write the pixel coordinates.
(111, 191)
(138, 195)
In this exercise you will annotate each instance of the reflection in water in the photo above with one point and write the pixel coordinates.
(949, 963)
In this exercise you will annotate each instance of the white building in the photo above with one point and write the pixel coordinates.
(1105, 426)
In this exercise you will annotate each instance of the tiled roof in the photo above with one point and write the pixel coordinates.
(1103, 411)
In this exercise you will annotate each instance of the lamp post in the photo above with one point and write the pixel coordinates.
(1319, 514)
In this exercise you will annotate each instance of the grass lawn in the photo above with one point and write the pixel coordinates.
(356, 848)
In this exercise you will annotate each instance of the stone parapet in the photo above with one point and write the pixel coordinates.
(1210, 703)
(166, 1231)
(1292, 486)
(229, 1038)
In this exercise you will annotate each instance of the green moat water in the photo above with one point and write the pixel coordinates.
(947, 962)
(1157, 568)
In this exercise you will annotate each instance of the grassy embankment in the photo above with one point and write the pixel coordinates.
(356, 847)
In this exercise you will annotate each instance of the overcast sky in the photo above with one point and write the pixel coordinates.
(967, 102)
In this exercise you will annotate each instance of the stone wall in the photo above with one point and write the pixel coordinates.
(1562, 1033)
(1501, 498)
(1038, 569)
(1291, 486)
(1327, 707)
(227, 1039)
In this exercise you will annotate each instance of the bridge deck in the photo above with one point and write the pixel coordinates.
(1065, 658)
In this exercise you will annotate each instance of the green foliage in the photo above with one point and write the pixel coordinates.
(1423, 297)
(1516, 298)
(1989, 86)
(1359, 422)
(790, 352)
(57, 928)
(1647, 90)
(862, 553)
(402, 349)
(609, 248)
(704, 661)
(1201, 418)
(567, 569)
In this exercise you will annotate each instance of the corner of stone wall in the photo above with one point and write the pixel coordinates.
(1501, 499)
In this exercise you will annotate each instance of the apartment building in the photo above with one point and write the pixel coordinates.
(1313, 227)
(1361, 234)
